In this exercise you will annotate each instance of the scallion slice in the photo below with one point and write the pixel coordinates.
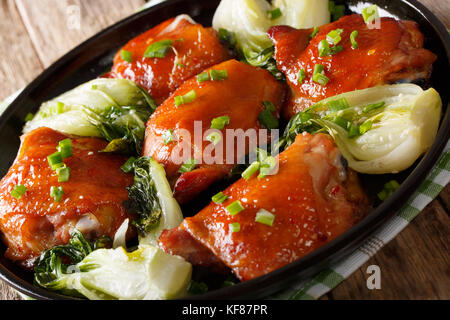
(220, 122)
(366, 126)
(265, 217)
(59, 107)
(342, 122)
(234, 208)
(56, 193)
(388, 190)
(217, 75)
(234, 227)
(353, 37)
(267, 166)
(274, 14)
(334, 36)
(214, 137)
(202, 77)
(373, 106)
(320, 79)
(158, 49)
(55, 160)
(127, 167)
(324, 48)
(187, 98)
(168, 136)
(65, 147)
(126, 56)
(18, 191)
(63, 173)
(301, 76)
(188, 165)
(219, 198)
(370, 13)
(250, 171)
(313, 34)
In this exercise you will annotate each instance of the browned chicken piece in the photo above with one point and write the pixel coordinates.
(192, 48)
(92, 200)
(391, 53)
(239, 97)
(312, 198)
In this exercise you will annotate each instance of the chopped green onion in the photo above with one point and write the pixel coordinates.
(127, 167)
(202, 77)
(55, 160)
(126, 56)
(63, 173)
(339, 104)
(234, 208)
(274, 14)
(234, 227)
(313, 34)
(366, 126)
(342, 122)
(336, 49)
(214, 137)
(217, 75)
(318, 68)
(180, 65)
(220, 122)
(187, 98)
(265, 217)
(65, 147)
(168, 136)
(353, 131)
(373, 106)
(370, 13)
(320, 79)
(29, 117)
(266, 117)
(353, 36)
(334, 36)
(248, 173)
(56, 193)
(324, 48)
(18, 191)
(266, 166)
(188, 165)
(301, 76)
(94, 87)
(158, 49)
(388, 190)
(219, 198)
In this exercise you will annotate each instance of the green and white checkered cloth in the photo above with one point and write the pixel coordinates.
(325, 281)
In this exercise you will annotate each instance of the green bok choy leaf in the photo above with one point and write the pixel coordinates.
(152, 200)
(379, 130)
(115, 109)
(106, 274)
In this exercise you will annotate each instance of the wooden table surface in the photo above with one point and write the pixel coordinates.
(34, 33)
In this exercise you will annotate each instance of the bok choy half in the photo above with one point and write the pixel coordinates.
(115, 109)
(151, 198)
(379, 130)
(244, 23)
(107, 274)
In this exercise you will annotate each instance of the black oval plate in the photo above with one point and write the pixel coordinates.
(94, 56)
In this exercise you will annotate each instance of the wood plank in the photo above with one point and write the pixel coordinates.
(415, 265)
(53, 26)
(19, 63)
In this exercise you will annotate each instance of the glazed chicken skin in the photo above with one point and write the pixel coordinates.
(313, 197)
(193, 49)
(394, 52)
(92, 201)
(240, 97)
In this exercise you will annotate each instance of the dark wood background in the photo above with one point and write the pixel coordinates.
(34, 33)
